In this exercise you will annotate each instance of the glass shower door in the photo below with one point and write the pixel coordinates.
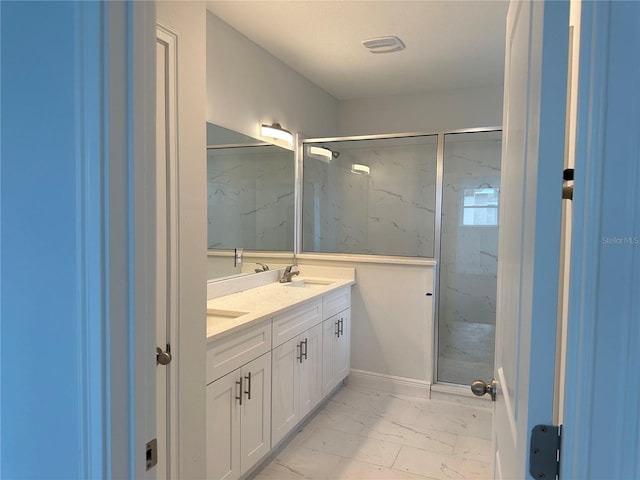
(468, 256)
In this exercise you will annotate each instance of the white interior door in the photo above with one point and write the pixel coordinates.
(161, 255)
(166, 248)
(530, 221)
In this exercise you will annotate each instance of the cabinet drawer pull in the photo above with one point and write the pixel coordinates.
(248, 390)
(337, 328)
(299, 357)
(305, 348)
(341, 326)
(239, 383)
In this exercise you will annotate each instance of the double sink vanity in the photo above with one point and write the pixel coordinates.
(274, 352)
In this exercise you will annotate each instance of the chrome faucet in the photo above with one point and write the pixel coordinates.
(288, 273)
(264, 268)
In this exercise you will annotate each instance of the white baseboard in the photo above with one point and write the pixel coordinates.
(390, 383)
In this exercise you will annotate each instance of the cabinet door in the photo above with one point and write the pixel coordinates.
(329, 344)
(223, 428)
(284, 393)
(255, 418)
(311, 370)
(342, 349)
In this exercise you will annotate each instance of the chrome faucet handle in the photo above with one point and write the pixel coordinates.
(288, 273)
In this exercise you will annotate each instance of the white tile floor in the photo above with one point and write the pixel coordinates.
(365, 434)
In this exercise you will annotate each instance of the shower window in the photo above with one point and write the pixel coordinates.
(480, 206)
(370, 196)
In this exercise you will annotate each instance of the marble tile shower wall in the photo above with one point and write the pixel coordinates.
(250, 200)
(391, 211)
(468, 268)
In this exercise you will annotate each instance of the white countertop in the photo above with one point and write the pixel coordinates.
(240, 310)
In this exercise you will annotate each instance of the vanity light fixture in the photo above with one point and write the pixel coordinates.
(360, 169)
(276, 131)
(321, 153)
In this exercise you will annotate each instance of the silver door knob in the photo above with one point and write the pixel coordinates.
(163, 357)
(481, 388)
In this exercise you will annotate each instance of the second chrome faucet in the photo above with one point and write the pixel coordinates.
(289, 273)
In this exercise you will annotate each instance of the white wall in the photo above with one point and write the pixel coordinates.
(247, 86)
(187, 21)
(391, 316)
(428, 112)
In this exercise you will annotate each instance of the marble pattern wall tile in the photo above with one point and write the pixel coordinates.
(391, 211)
(468, 268)
(250, 200)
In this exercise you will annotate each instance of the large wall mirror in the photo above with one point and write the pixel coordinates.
(250, 203)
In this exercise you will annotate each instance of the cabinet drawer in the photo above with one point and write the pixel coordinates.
(292, 323)
(336, 302)
(229, 353)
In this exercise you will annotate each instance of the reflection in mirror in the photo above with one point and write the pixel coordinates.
(250, 203)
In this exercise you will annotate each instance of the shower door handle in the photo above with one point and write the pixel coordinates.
(480, 388)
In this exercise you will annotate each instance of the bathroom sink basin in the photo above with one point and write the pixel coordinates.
(308, 283)
(220, 315)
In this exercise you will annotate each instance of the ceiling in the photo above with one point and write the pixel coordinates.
(450, 44)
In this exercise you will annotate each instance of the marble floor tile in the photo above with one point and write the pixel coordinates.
(354, 400)
(365, 434)
(442, 467)
(355, 470)
(301, 462)
(277, 472)
(410, 434)
(473, 422)
(473, 448)
(337, 420)
(353, 446)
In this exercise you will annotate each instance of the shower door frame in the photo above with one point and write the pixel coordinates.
(440, 135)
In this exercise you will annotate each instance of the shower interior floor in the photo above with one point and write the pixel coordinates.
(465, 352)
(367, 434)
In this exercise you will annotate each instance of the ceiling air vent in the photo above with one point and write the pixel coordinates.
(384, 44)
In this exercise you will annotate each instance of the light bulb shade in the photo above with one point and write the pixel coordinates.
(321, 153)
(277, 132)
(360, 169)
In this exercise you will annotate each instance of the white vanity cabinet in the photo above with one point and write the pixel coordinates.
(238, 425)
(335, 355)
(265, 378)
(297, 370)
(336, 336)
